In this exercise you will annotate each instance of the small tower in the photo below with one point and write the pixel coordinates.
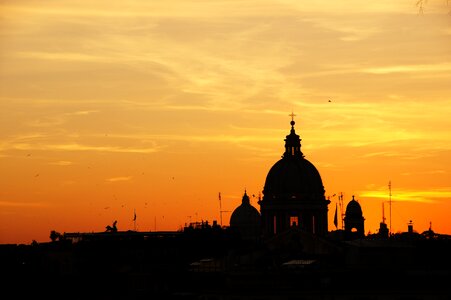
(410, 227)
(354, 221)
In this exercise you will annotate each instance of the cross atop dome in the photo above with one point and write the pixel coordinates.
(292, 115)
(292, 142)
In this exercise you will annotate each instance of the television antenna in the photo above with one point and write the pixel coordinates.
(341, 204)
(220, 209)
(389, 201)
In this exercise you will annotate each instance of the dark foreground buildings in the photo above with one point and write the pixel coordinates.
(283, 253)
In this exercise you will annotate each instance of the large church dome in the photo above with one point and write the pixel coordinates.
(293, 195)
(293, 176)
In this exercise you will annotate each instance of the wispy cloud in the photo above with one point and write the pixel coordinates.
(443, 67)
(62, 163)
(121, 178)
(57, 119)
(77, 147)
(81, 113)
(424, 196)
(63, 56)
(81, 147)
(430, 172)
(400, 154)
(21, 204)
(174, 8)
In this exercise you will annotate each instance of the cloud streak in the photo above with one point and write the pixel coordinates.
(443, 67)
(21, 204)
(62, 163)
(422, 196)
(121, 178)
(77, 147)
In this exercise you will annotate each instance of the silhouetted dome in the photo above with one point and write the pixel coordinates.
(245, 215)
(353, 209)
(293, 176)
(293, 193)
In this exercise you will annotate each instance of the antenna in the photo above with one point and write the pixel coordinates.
(220, 209)
(383, 213)
(389, 189)
(340, 202)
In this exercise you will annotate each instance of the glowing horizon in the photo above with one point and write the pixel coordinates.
(107, 107)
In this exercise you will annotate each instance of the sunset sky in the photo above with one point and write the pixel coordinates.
(107, 107)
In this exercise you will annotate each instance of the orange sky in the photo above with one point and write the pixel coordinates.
(111, 106)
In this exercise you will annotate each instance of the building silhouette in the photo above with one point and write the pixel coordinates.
(293, 193)
(354, 220)
(284, 253)
(245, 220)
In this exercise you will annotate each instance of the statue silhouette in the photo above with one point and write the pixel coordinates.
(112, 228)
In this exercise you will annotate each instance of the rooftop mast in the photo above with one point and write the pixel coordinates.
(389, 201)
(342, 214)
(220, 209)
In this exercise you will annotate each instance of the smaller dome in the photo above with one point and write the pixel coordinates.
(353, 209)
(246, 219)
(245, 214)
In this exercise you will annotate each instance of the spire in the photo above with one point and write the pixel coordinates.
(293, 142)
(245, 198)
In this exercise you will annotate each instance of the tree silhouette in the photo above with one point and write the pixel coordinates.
(55, 235)
(421, 4)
